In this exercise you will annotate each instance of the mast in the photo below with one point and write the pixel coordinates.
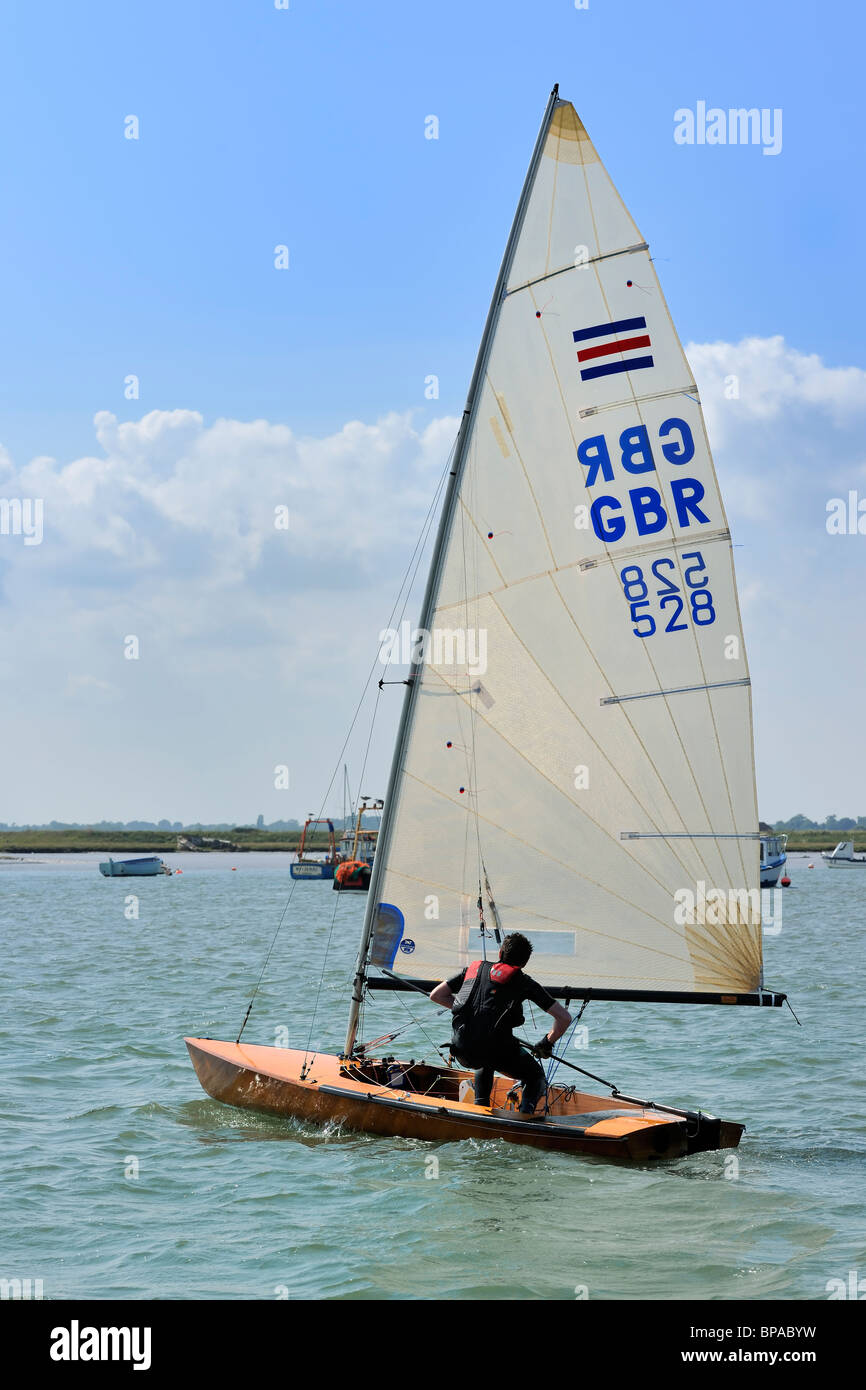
(427, 607)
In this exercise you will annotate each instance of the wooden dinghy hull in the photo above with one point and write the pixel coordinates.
(275, 1081)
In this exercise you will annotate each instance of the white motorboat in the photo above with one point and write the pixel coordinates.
(843, 854)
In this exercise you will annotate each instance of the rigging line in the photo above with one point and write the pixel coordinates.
(347, 790)
(415, 559)
(304, 1068)
(333, 919)
(363, 772)
(420, 1026)
(419, 990)
(531, 1048)
(422, 540)
(385, 1038)
(564, 1042)
(494, 911)
(382, 1088)
(370, 736)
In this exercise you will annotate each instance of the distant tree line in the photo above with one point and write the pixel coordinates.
(831, 823)
(142, 825)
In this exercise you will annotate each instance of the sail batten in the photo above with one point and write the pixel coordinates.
(589, 260)
(675, 690)
(577, 736)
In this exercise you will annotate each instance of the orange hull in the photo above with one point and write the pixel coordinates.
(274, 1080)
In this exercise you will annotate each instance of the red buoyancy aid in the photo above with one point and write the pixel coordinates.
(487, 1005)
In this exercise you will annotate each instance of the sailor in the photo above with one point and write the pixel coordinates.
(486, 999)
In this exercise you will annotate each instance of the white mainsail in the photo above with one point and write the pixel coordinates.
(578, 734)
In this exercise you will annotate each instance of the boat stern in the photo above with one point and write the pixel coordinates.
(706, 1133)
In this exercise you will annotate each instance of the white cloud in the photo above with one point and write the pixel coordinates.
(786, 430)
(167, 531)
(169, 535)
(774, 379)
(171, 489)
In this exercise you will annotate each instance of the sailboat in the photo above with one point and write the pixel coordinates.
(590, 782)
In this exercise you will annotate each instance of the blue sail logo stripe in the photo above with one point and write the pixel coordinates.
(601, 330)
(589, 357)
(608, 369)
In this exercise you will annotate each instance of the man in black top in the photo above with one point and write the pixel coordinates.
(485, 998)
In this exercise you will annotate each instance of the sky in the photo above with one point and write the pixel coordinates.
(304, 127)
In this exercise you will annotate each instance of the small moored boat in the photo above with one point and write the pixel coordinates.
(843, 854)
(147, 867)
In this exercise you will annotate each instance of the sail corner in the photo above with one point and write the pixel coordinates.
(567, 138)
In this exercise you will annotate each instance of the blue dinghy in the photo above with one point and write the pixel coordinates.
(134, 868)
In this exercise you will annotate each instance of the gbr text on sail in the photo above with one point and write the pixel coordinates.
(632, 453)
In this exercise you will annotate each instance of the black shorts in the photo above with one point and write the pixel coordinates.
(504, 1055)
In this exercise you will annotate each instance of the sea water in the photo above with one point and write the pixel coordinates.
(121, 1179)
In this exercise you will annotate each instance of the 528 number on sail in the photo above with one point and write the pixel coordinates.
(673, 606)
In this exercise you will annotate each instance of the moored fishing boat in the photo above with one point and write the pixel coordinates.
(311, 864)
(357, 852)
(773, 858)
(598, 773)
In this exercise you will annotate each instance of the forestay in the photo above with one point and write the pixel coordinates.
(580, 725)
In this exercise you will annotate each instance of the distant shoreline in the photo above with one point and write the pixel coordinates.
(131, 842)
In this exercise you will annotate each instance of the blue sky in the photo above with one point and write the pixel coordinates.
(306, 127)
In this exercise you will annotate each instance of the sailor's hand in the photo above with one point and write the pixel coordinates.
(544, 1047)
